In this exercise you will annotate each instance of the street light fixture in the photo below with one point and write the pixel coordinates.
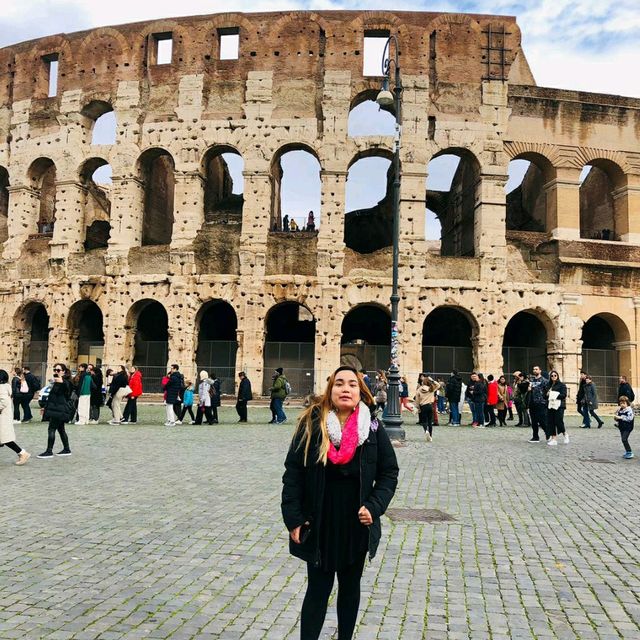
(386, 98)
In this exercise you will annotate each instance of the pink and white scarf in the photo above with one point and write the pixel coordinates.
(349, 437)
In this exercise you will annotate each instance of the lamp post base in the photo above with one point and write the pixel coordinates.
(393, 420)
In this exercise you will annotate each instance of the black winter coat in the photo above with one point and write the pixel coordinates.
(476, 392)
(561, 388)
(303, 489)
(174, 387)
(454, 389)
(244, 390)
(119, 381)
(215, 398)
(57, 403)
(97, 398)
(624, 389)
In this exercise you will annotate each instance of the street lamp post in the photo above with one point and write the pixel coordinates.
(393, 419)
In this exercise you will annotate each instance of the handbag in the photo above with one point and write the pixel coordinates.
(127, 390)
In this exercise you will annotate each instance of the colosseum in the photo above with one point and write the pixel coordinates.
(182, 257)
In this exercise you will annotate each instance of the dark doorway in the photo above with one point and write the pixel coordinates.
(156, 168)
(36, 350)
(366, 338)
(151, 344)
(600, 358)
(86, 319)
(525, 344)
(446, 343)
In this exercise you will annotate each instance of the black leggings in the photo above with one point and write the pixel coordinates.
(314, 606)
(57, 425)
(183, 413)
(426, 417)
(13, 446)
(625, 432)
(502, 417)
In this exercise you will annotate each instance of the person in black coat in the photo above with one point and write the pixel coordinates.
(624, 389)
(97, 399)
(33, 384)
(58, 410)
(173, 389)
(215, 394)
(340, 476)
(555, 417)
(244, 395)
(453, 391)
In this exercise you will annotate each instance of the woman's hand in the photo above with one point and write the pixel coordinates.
(365, 517)
(295, 534)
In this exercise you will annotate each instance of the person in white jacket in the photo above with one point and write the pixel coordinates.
(7, 432)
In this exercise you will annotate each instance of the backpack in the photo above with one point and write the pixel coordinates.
(287, 387)
(36, 384)
(212, 391)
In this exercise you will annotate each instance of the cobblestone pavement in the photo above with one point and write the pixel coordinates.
(155, 532)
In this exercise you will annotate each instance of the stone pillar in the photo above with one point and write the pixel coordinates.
(181, 332)
(24, 203)
(413, 207)
(331, 229)
(118, 342)
(626, 355)
(486, 357)
(490, 217)
(127, 211)
(565, 353)
(59, 344)
(626, 202)
(563, 204)
(327, 340)
(250, 356)
(69, 227)
(188, 212)
(256, 214)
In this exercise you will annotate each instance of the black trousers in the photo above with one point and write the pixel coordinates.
(523, 414)
(241, 408)
(314, 606)
(16, 408)
(131, 410)
(538, 414)
(186, 408)
(206, 411)
(555, 424)
(625, 432)
(425, 417)
(94, 412)
(14, 447)
(490, 414)
(26, 408)
(502, 417)
(57, 425)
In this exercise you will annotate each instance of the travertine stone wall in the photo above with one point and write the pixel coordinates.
(293, 85)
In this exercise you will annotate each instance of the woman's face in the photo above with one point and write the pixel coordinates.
(502, 380)
(345, 393)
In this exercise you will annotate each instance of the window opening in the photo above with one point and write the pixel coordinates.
(104, 129)
(374, 44)
(164, 47)
(51, 62)
(229, 43)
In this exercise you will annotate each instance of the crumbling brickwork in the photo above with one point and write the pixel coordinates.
(178, 236)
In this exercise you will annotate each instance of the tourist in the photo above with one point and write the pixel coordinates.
(118, 390)
(538, 403)
(7, 432)
(245, 395)
(187, 403)
(33, 386)
(293, 225)
(130, 415)
(278, 393)
(557, 403)
(272, 406)
(623, 419)
(504, 398)
(214, 392)
(84, 387)
(492, 401)
(510, 402)
(624, 389)
(367, 380)
(311, 222)
(424, 397)
(18, 388)
(453, 392)
(580, 400)
(440, 397)
(285, 222)
(340, 463)
(380, 387)
(204, 398)
(476, 394)
(590, 403)
(97, 397)
(521, 397)
(173, 388)
(405, 403)
(58, 410)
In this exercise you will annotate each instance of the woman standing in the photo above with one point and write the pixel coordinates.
(58, 410)
(380, 389)
(16, 385)
(424, 399)
(404, 395)
(130, 415)
(118, 389)
(214, 392)
(97, 399)
(7, 433)
(504, 399)
(204, 399)
(340, 476)
(557, 404)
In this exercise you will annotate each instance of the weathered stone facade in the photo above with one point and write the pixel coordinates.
(467, 91)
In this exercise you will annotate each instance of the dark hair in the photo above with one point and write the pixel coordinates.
(4, 376)
(26, 368)
(490, 377)
(18, 371)
(552, 372)
(175, 366)
(242, 375)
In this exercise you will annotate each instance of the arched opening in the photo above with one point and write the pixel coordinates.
(368, 118)
(600, 357)
(295, 190)
(42, 177)
(4, 204)
(290, 344)
(446, 342)
(150, 341)
(366, 338)
(101, 121)
(156, 174)
(599, 210)
(217, 343)
(368, 224)
(85, 325)
(453, 178)
(224, 185)
(526, 195)
(33, 320)
(95, 177)
(524, 344)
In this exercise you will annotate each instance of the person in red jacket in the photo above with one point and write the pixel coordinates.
(492, 401)
(130, 415)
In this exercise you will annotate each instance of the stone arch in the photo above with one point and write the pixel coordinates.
(102, 53)
(298, 194)
(100, 121)
(96, 204)
(156, 172)
(527, 335)
(4, 204)
(86, 332)
(455, 206)
(368, 224)
(223, 198)
(367, 118)
(42, 48)
(365, 341)
(95, 40)
(31, 320)
(448, 335)
(290, 330)
(179, 34)
(217, 324)
(42, 179)
(606, 352)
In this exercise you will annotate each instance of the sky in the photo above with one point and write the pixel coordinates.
(588, 45)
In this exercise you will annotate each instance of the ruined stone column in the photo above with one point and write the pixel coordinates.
(182, 320)
(188, 213)
(327, 340)
(69, 227)
(255, 223)
(490, 217)
(117, 348)
(413, 207)
(24, 203)
(127, 210)
(626, 201)
(563, 204)
(59, 349)
(331, 230)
